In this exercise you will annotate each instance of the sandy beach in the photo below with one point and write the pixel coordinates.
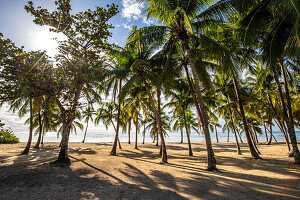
(138, 174)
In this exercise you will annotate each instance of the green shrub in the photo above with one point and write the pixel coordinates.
(7, 137)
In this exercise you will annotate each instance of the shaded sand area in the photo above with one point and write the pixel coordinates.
(137, 174)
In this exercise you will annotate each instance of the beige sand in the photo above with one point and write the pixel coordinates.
(137, 174)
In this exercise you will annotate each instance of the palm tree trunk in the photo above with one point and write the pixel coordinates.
(227, 134)
(120, 147)
(253, 140)
(136, 134)
(156, 139)
(43, 134)
(144, 133)
(114, 149)
(193, 95)
(181, 134)
(266, 133)
(216, 134)
(37, 145)
(187, 133)
(204, 121)
(280, 124)
(253, 152)
(234, 131)
(26, 150)
(159, 124)
(271, 132)
(289, 116)
(290, 126)
(239, 134)
(129, 127)
(87, 125)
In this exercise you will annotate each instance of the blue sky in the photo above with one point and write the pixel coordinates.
(17, 25)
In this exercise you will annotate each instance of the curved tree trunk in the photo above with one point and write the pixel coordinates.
(26, 150)
(253, 152)
(290, 120)
(271, 132)
(159, 124)
(187, 133)
(37, 145)
(136, 134)
(87, 125)
(114, 148)
(204, 119)
(234, 131)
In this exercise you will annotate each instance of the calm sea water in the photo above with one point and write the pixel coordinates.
(100, 134)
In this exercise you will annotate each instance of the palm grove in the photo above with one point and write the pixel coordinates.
(236, 60)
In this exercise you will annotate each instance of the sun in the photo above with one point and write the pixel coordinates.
(43, 39)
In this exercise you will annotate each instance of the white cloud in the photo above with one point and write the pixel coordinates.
(132, 9)
(147, 21)
(127, 26)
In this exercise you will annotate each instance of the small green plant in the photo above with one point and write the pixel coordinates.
(7, 136)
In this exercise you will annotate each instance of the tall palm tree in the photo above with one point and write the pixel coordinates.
(275, 24)
(88, 115)
(180, 19)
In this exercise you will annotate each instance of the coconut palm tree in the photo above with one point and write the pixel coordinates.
(275, 25)
(186, 21)
(88, 115)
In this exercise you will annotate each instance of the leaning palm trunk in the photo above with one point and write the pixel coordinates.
(159, 124)
(187, 133)
(253, 152)
(234, 131)
(291, 120)
(120, 147)
(26, 150)
(280, 124)
(37, 145)
(204, 121)
(288, 119)
(114, 149)
(87, 125)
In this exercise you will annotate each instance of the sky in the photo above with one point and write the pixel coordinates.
(16, 24)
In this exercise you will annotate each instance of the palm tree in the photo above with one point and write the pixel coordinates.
(181, 100)
(180, 19)
(224, 88)
(276, 24)
(88, 115)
